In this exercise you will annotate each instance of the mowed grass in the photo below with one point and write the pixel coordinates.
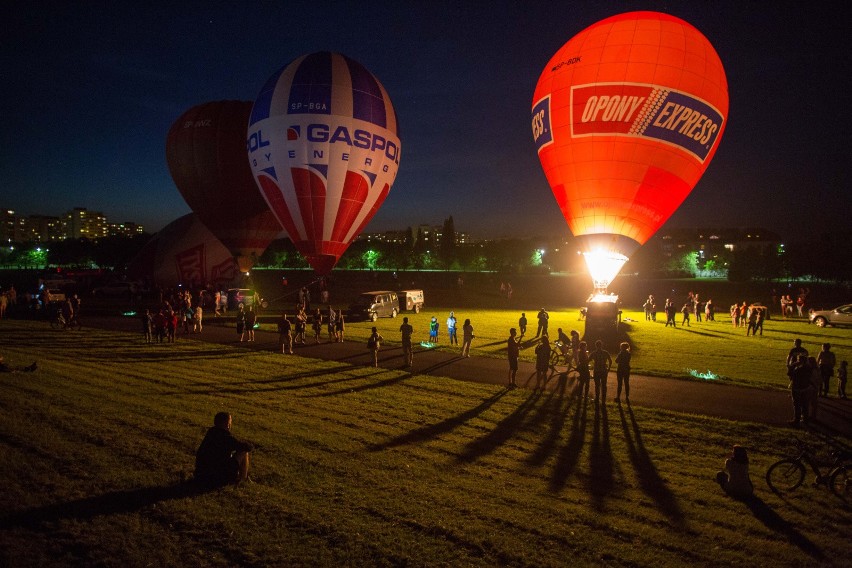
(360, 466)
(717, 346)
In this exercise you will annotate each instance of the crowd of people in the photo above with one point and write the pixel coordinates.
(810, 380)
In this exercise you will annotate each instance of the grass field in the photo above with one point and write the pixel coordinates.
(657, 350)
(358, 466)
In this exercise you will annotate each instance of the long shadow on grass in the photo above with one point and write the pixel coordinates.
(217, 387)
(696, 332)
(774, 522)
(432, 431)
(113, 503)
(601, 481)
(569, 455)
(502, 432)
(432, 368)
(361, 388)
(649, 479)
(558, 412)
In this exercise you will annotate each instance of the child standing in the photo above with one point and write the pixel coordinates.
(841, 385)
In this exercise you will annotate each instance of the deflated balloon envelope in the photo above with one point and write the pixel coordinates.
(205, 151)
(323, 142)
(626, 117)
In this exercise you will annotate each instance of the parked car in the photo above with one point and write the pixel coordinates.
(116, 290)
(411, 300)
(838, 316)
(247, 297)
(373, 305)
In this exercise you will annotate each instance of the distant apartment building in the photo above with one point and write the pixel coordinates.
(713, 242)
(126, 229)
(41, 229)
(80, 223)
(8, 226)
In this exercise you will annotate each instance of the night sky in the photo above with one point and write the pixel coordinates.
(89, 91)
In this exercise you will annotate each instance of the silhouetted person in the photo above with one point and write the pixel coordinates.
(735, 479)
(221, 459)
(513, 351)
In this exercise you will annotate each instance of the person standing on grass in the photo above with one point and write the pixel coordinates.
(522, 325)
(826, 362)
(685, 310)
(670, 312)
(251, 321)
(433, 330)
(221, 459)
(374, 343)
(841, 380)
(796, 352)
(339, 326)
(467, 338)
(407, 349)
(196, 320)
(285, 337)
(317, 325)
(622, 372)
(800, 382)
(513, 351)
(148, 326)
(752, 322)
(241, 322)
(301, 325)
(543, 318)
(542, 362)
(601, 363)
(172, 323)
(451, 329)
(332, 325)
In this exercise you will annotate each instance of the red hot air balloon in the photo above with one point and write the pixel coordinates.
(626, 117)
(205, 151)
(323, 141)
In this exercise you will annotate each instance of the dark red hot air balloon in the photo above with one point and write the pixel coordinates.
(206, 154)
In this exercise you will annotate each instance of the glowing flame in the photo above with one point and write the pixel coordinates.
(603, 266)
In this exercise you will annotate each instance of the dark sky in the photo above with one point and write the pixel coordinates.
(90, 89)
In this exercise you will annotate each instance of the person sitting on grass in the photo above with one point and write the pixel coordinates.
(735, 479)
(4, 368)
(221, 459)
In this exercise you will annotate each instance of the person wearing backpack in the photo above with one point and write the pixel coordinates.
(374, 343)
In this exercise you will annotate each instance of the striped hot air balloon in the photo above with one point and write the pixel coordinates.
(626, 117)
(323, 142)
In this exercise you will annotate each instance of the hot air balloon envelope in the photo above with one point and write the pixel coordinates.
(205, 151)
(184, 252)
(324, 146)
(626, 117)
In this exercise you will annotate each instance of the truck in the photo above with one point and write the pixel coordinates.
(411, 300)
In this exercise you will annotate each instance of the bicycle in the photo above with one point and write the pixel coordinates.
(561, 355)
(789, 473)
